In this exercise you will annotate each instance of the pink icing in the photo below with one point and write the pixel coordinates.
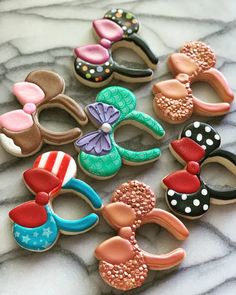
(108, 29)
(16, 120)
(29, 108)
(28, 92)
(105, 43)
(95, 54)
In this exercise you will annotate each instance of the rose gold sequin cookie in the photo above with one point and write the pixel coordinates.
(174, 101)
(123, 264)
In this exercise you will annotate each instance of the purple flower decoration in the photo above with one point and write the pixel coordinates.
(99, 142)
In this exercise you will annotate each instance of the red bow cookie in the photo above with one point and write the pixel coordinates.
(123, 264)
(174, 101)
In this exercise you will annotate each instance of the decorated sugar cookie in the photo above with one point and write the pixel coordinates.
(174, 101)
(21, 133)
(99, 154)
(36, 227)
(94, 65)
(123, 264)
(187, 194)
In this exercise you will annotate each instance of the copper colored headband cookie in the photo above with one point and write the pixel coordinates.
(174, 101)
(186, 193)
(36, 227)
(123, 264)
(21, 133)
(94, 65)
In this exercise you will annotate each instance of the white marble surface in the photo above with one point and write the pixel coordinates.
(41, 34)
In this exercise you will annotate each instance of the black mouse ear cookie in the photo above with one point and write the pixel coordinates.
(125, 19)
(204, 135)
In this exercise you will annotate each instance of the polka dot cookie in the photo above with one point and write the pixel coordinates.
(186, 193)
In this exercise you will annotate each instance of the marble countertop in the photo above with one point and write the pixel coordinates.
(41, 35)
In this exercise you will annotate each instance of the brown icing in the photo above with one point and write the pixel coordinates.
(29, 140)
(51, 83)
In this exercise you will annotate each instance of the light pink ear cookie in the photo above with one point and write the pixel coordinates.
(21, 133)
(123, 264)
(174, 101)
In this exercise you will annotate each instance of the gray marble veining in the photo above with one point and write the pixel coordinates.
(41, 35)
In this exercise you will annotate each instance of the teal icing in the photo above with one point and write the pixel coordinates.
(86, 190)
(39, 238)
(77, 226)
(105, 166)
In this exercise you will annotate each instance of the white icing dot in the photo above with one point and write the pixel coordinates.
(113, 17)
(209, 142)
(217, 137)
(107, 63)
(204, 192)
(196, 202)
(92, 71)
(124, 28)
(171, 192)
(184, 197)
(196, 124)
(208, 129)
(173, 202)
(199, 137)
(205, 207)
(113, 10)
(203, 146)
(187, 210)
(188, 133)
(80, 63)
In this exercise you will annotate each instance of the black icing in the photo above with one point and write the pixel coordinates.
(180, 203)
(210, 141)
(224, 195)
(133, 73)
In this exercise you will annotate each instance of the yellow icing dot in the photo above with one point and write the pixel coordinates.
(84, 68)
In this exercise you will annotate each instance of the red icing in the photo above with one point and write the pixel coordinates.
(188, 149)
(193, 167)
(42, 198)
(182, 182)
(29, 214)
(40, 180)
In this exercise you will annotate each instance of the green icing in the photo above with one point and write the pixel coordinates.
(108, 165)
(103, 166)
(121, 98)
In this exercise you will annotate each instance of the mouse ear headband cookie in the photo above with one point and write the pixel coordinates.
(174, 101)
(186, 193)
(94, 65)
(36, 227)
(21, 133)
(132, 205)
(99, 154)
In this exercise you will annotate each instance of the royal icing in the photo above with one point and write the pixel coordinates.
(122, 254)
(94, 64)
(174, 101)
(100, 155)
(187, 194)
(20, 131)
(36, 227)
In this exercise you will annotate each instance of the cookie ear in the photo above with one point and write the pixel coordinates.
(51, 83)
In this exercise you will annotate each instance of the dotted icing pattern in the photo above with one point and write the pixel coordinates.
(108, 165)
(204, 135)
(94, 73)
(39, 238)
(193, 205)
(125, 19)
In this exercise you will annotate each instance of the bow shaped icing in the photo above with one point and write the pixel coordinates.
(94, 65)
(20, 131)
(187, 194)
(36, 227)
(100, 155)
(174, 101)
(132, 205)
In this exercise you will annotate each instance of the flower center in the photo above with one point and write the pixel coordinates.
(106, 127)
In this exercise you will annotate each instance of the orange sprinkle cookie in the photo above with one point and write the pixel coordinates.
(174, 101)
(123, 264)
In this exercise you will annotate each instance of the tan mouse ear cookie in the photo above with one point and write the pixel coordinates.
(51, 83)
